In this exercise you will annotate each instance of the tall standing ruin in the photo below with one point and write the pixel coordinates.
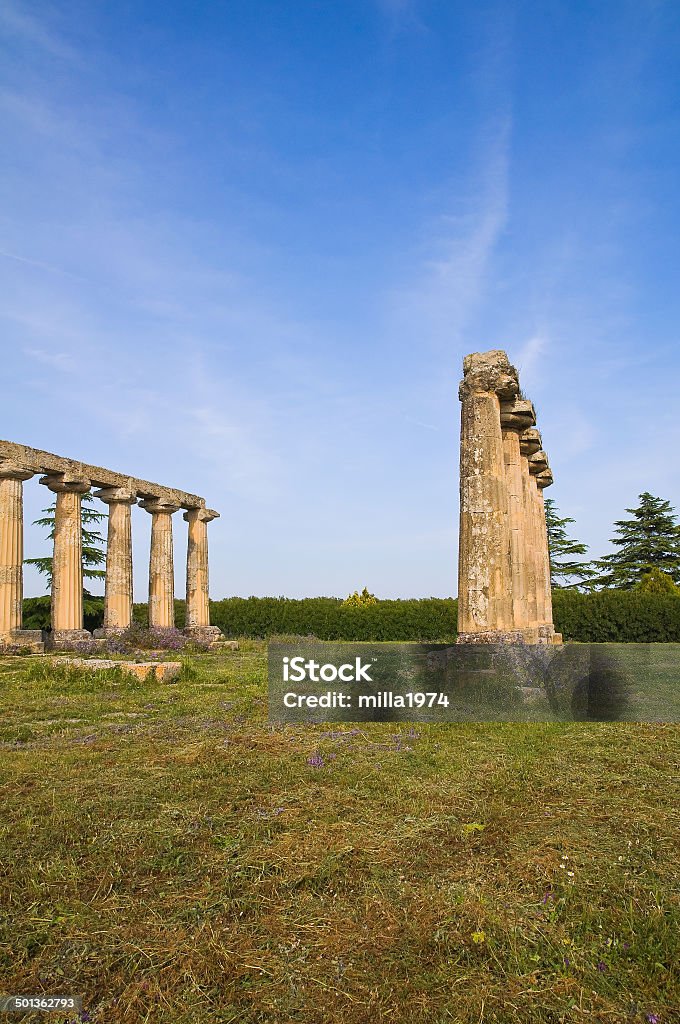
(504, 591)
(69, 480)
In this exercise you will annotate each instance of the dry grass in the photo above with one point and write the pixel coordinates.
(173, 857)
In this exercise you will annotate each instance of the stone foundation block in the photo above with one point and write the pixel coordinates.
(206, 634)
(163, 672)
(65, 638)
(22, 641)
(492, 636)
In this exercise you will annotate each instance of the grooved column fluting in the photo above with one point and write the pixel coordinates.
(11, 546)
(67, 562)
(517, 416)
(544, 479)
(118, 590)
(529, 443)
(484, 567)
(536, 549)
(161, 564)
(538, 462)
(198, 607)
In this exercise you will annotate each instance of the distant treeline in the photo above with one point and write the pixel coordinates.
(604, 617)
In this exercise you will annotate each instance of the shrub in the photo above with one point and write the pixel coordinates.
(608, 616)
(617, 616)
(329, 618)
(656, 581)
(360, 600)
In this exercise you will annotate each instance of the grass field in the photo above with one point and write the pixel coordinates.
(174, 858)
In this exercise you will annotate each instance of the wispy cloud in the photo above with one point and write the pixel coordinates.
(39, 265)
(529, 359)
(462, 245)
(16, 21)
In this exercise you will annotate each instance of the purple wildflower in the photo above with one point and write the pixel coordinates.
(315, 761)
(567, 961)
(601, 966)
(652, 1018)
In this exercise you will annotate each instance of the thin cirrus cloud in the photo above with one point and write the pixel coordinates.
(438, 305)
(19, 24)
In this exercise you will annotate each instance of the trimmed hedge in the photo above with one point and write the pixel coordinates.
(326, 618)
(616, 616)
(611, 616)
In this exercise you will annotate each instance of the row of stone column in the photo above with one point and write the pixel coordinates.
(504, 589)
(67, 567)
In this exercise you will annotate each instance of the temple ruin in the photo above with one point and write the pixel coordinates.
(69, 480)
(504, 593)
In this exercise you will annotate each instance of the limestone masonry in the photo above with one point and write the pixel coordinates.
(503, 564)
(69, 480)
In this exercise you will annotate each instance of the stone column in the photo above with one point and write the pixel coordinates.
(12, 635)
(198, 608)
(118, 591)
(538, 465)
(517, 416)
(161, 564)
(484, 568)
(529, 443)
(544, 479)
(67, 564)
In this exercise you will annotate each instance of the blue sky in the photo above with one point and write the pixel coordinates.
(245, 247)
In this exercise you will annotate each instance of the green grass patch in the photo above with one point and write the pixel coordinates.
(173, 857)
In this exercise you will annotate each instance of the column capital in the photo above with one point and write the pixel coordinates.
(530, 441)
(489, 372)
(517, 414)
(155, 505)
(66, 482)
(13, 471)
(203, 515)
(110, 495)
(544, 478)
(538, 462)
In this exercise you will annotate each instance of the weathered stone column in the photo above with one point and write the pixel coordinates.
(544, 479)
(484, 568)
(529, 443)
(118, 590)
(538, 465)
(12, 478)
(198, 607)
(517, 416)
(161, 564)
(67, 563)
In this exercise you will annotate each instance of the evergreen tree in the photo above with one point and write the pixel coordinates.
(563, 566)
(649, 540)
(92, 553)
